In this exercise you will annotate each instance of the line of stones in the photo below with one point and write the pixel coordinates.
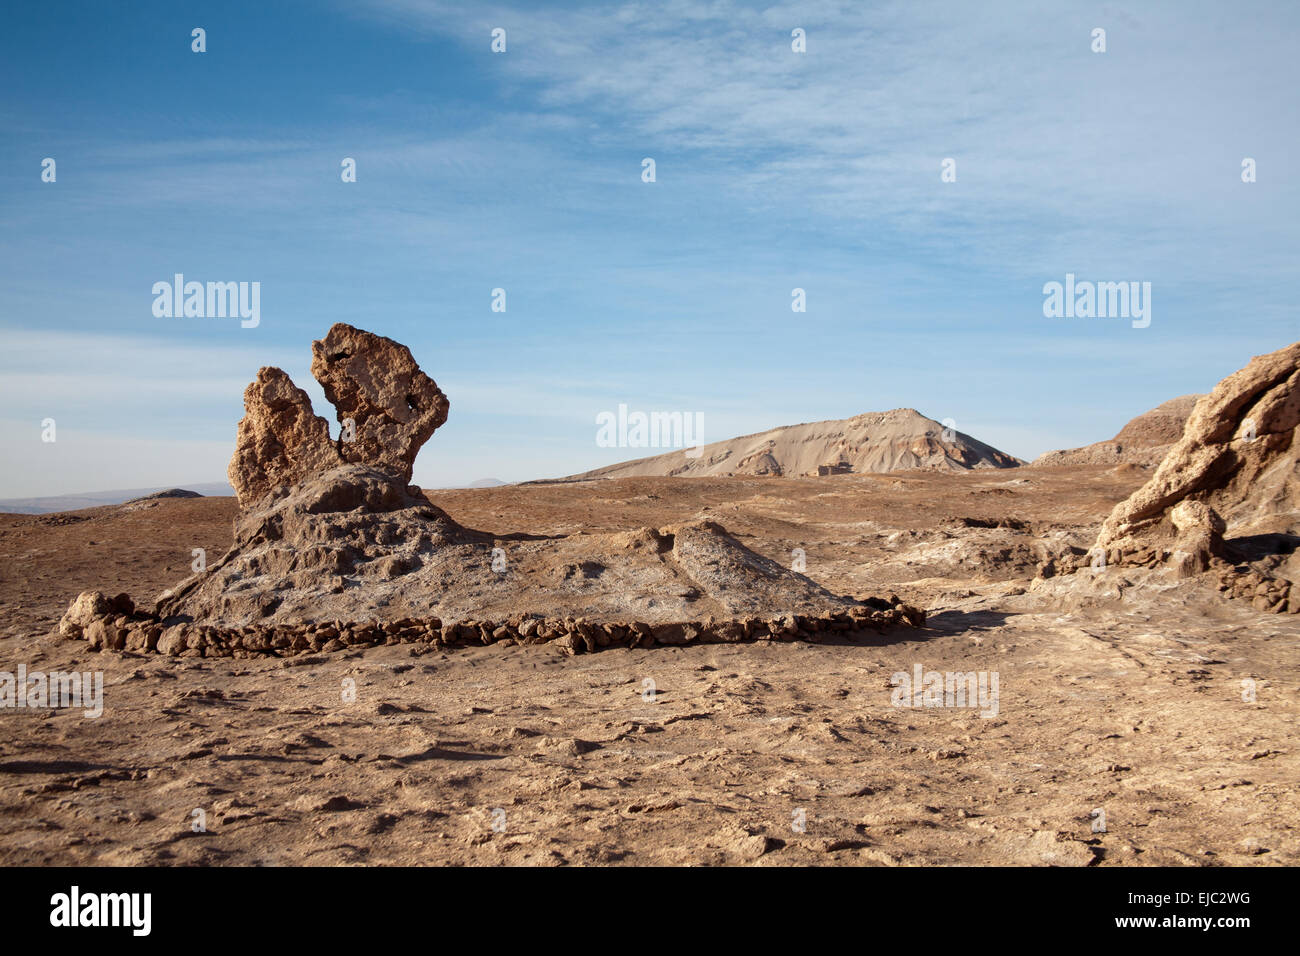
(145, 633)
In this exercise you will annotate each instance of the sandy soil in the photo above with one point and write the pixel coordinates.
(1129, 701)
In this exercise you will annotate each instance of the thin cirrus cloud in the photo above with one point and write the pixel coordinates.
(1121, 150)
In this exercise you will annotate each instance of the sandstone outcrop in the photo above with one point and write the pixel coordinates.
(386, 406)
(1228, 492)
(1198, 537)
(375, 382)
(1238, 455)
(353, 544)
(280, 440)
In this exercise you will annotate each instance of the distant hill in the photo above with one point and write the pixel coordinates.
(94, 499)
(873, 442)
(1143, 441)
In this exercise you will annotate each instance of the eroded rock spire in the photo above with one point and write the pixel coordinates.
(386, 407)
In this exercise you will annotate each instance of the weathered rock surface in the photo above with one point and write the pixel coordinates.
(1238, 455)
(146, 632)
(1199, 537)
(84, 609)
(354, 543)
(376, 383)
(386, 407)
(1228, 493)
(280, 439)
(330, 530)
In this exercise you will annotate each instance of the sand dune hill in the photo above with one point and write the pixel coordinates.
(896, 440)
(1143, 441)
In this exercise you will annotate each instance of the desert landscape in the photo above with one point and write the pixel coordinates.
(628, 435)
(734, 668)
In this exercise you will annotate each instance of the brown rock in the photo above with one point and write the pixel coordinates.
(85, 607)
(376, 383)
(172, 640)
(280, 440)
(137, 640)
(372, 381)
(1236, 466)
(1200, 537)
(97, 633)
(672, 633)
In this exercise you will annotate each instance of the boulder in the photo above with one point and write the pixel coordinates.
(1199, 537)
(85, 608)
(173, 640)
(103, 634)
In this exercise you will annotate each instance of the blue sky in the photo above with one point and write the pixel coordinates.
(522, 170)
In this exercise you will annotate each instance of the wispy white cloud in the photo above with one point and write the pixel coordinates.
(1118, 154)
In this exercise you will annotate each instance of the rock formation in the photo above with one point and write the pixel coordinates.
(104, 627)
(387, 408)
(1229, 491)
(374, 382)
(1238, 455)
(330, 534)
(1143, 441)
(280, 439)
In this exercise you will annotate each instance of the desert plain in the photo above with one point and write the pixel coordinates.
(1142, 719)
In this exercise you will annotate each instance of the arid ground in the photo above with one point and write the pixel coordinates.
(1127, 697)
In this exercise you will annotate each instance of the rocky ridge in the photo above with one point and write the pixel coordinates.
(875, 442)
(1143, 441)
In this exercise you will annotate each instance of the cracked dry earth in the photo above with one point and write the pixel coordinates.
(764, 753)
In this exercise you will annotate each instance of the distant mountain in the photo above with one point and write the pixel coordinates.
(95, 499)
(487, 483)
(1143, 441)
(873, 442)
